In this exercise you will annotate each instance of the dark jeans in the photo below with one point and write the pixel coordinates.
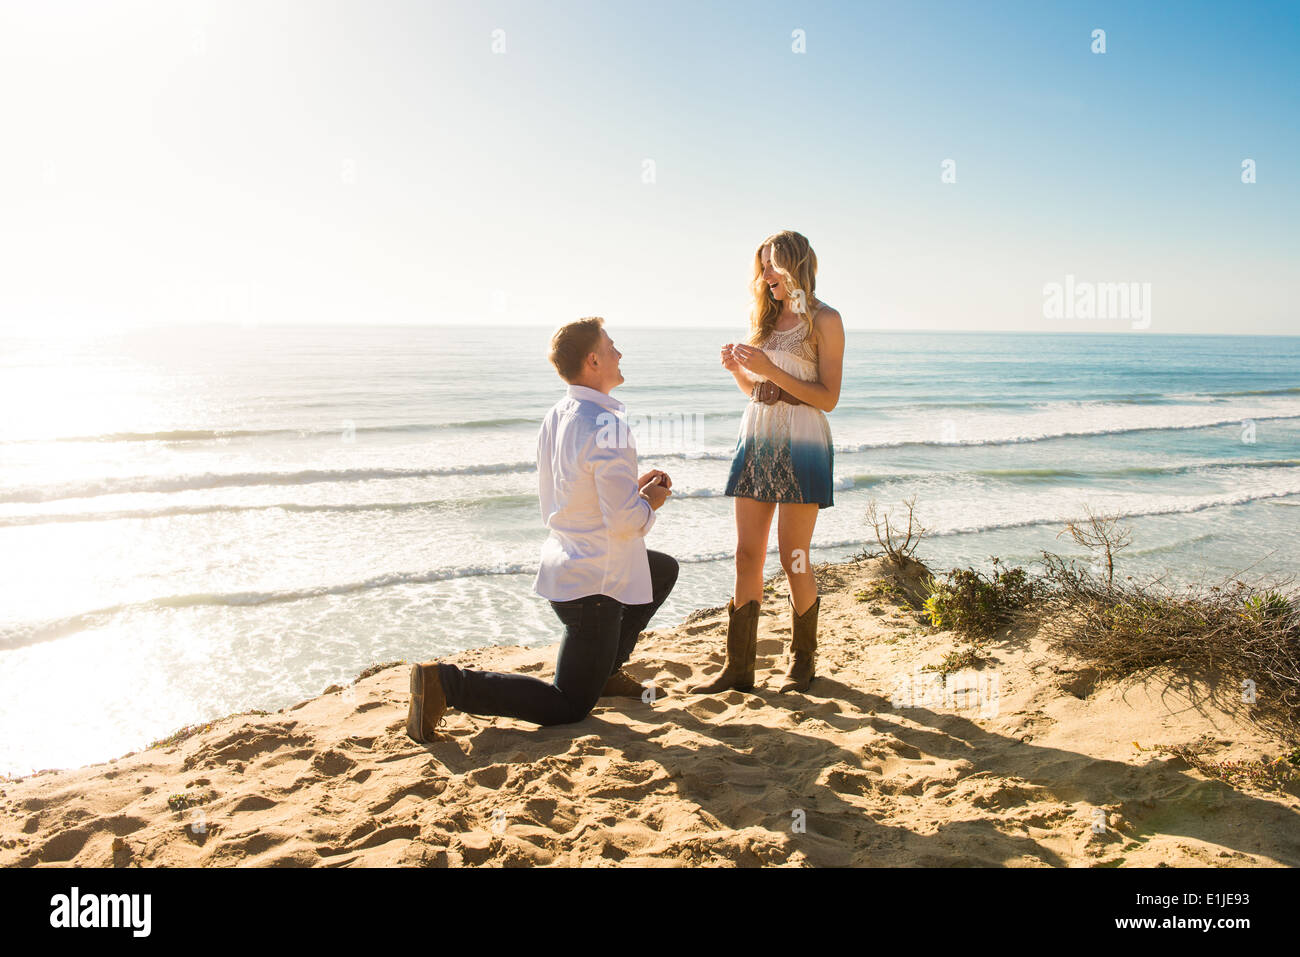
(599, 635)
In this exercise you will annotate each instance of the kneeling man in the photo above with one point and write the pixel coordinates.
(601, 581)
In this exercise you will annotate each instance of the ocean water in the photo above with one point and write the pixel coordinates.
(212, 519)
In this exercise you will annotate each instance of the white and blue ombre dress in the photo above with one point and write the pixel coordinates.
(784, 451)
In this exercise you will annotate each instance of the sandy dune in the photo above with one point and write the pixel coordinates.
(838, 776)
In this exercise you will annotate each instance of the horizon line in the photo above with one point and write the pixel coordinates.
(216, 324)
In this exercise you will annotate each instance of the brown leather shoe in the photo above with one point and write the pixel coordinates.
(803, 647)
(622, 685)
(742, 648)
(428, 702)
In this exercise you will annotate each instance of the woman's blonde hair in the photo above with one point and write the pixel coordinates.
(794, 259)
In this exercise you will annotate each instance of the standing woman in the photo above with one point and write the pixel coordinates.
(791, 369)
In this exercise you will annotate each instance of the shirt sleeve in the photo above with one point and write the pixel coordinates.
(545, 478)
(626, 513)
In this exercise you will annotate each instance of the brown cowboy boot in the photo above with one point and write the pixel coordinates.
(428, 702)
(622, 685)
(803, 647)
(742, 647)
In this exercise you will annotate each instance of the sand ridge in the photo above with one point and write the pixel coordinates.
(840, 775)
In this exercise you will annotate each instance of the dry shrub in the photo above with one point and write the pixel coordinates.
(899, 543)
(1100, 533)
(1242, 640)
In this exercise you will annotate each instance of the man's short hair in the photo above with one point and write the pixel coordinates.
(572, 343)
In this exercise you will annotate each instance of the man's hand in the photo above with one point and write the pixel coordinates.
(654, 473)
(655, 491)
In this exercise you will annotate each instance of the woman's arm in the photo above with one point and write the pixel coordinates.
(823, 394)
(745, 381)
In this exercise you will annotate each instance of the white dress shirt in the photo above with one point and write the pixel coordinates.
(586, 473)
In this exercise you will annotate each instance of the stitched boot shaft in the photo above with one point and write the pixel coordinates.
(742, 649)
(803, 647)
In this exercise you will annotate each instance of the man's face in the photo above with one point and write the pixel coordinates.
(608, 357)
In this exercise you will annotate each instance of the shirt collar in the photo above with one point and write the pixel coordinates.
(602, 399)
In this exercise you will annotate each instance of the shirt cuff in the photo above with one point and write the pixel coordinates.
(650, 521)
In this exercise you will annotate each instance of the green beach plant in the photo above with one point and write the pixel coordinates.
(1269, 606)
(978, 605)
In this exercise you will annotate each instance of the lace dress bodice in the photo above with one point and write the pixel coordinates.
(798, 344)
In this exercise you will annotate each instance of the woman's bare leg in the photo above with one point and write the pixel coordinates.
(753, 522)
(753, 526)
(794, 531)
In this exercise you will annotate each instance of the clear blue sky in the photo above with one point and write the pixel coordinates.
(378, 162)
